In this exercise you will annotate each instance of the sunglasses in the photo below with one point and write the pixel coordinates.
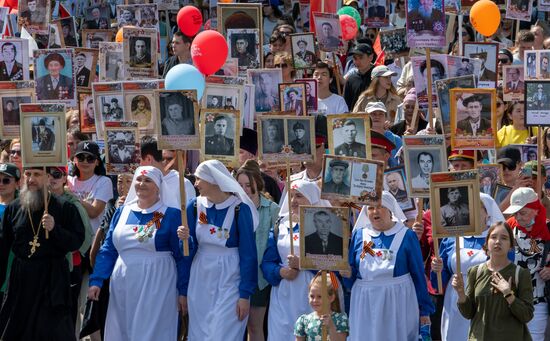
(15, 152)
(5, 181)
(513, 168)
(56, 174)
(87, 158)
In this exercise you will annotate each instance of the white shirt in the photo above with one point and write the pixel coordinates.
(333, 104)
(95, 188)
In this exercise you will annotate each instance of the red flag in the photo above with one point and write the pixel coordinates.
(330, 6)
(63, 13)
(379, 51)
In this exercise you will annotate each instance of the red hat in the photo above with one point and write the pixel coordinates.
(460, 154)
(378, 140)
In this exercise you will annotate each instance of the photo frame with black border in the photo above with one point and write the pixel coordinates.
(352, 179)
(537, 103)
(281, 147)
(86, 109)
(240, 15)
(11, 95)
(303, 50)
(477, 102)
(324, 223)
(220, 140)
(43, 135)
(461, 190)
(121, 147)
(501, 192)
(423, 155)
(342, 141)
(395, 182)
(292, 98)
(170, 135)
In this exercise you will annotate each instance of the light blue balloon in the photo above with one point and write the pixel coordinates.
(185, 77)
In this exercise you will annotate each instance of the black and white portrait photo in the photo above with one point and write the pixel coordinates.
(244, 45)
(349, 138)
(423, 155)
(219, 134)
(273, 138)
(54, 74)
(140, 48)
(110, 62)
(326, 238)
(422, 168)
(126, 15)
(266, 94)
(68, 32)
(97, 18)
(10, 109)
(299, 136)
(34, 15)
(327, 27)
(14, 60)
(121, 146)
(177, 114)
(292, 97)
(54, 37)
(487, 53)
(337, 177)
(223, 96)
(84, 67)
(303, 50)
(140, 53)
(43, 134)
(92, 38)
(111, 108)
(311, 93)
(140, 109)
(488, 181)
(214, 102)
(395, 183)
(454, 206)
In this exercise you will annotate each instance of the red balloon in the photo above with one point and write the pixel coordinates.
(189, 20)
(349, 27)
(13, 4)
(209, 51)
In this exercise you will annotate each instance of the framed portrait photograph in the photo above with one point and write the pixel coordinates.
(240, 16)
(244, 45)
(286, 137)
(111, 67)
(489, 176)
(4, 18)
(140, 53)
(14, 60)
(292, 97)
(394, 42)
(426, 24)
(178, 115)
(303, 50)
(109, 104)
(513, 86)
(537, 105)
(395, 182)
(530, 64)
(126, 15)
(34, 15)
(92, 38)
(44, 135)
(519, 9)
(97, 18)
(327, 27)
(222, 96)
(220, 137)
(122, 147)
(139, 105)
(423, 155)
(377, 13)
(474, 112)
(85, 63)
(54, 76)
(501, 192)
(87, 112)
(443, 86)
(311, 93)
(528, 151)
(266, 92)
(54, 37)
(543, 62)
(488, 54)
(67, 27)
(324, 238)
(455, 203)
(12, 94)
(352, 179)
(348, 135)
(463, 66)
(139, 14)
(438, 63)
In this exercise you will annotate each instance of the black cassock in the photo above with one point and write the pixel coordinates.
(37, 301)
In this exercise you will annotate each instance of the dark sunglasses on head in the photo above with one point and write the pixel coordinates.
(5, 181)
(56, 174)
(87, 158)
(15, 152)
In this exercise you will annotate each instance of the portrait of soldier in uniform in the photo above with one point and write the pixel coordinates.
(350, 147)
(338, 174)
(219, 144)
(54, 85)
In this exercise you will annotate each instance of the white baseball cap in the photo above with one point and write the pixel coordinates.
(521, 197)
(382, 71)
(375, 106)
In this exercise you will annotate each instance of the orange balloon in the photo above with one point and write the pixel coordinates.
(225, 1)
(485, 17)
(119, 37)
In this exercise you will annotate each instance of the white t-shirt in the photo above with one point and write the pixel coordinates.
(95, 188)
(333, 104)
(172, 181)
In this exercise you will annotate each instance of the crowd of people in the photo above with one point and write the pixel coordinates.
(139, 256)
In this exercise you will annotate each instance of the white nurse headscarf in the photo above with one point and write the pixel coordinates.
(389, 202)
(494, 214)
(214, 172)
(152, 173)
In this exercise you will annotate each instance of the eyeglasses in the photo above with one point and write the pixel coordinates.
(56, 174)
(15, 152)
(281, 65)
(87, 158)
(5, 181)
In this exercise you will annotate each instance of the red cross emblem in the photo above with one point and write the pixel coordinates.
(212, 230)
(295, 186)
(379, 253)
(470, 253)
(144, 172)
(295, 237)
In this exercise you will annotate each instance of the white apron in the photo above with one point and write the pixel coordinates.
(454, 327)
(214, 281)
(383, 307)
(143, 293)
(289, 300)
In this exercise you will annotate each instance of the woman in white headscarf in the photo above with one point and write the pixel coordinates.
(389, 295)
(142, 255)
(224, 268)
(453, 325)
(289, 292)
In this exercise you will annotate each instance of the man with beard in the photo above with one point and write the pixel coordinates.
(37, 302)
(350, 147)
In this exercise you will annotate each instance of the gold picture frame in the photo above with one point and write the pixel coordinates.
(225, 146)
(168, 137)
(336, 129)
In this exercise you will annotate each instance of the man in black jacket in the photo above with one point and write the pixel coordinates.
(323, 242)
(359, 81)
